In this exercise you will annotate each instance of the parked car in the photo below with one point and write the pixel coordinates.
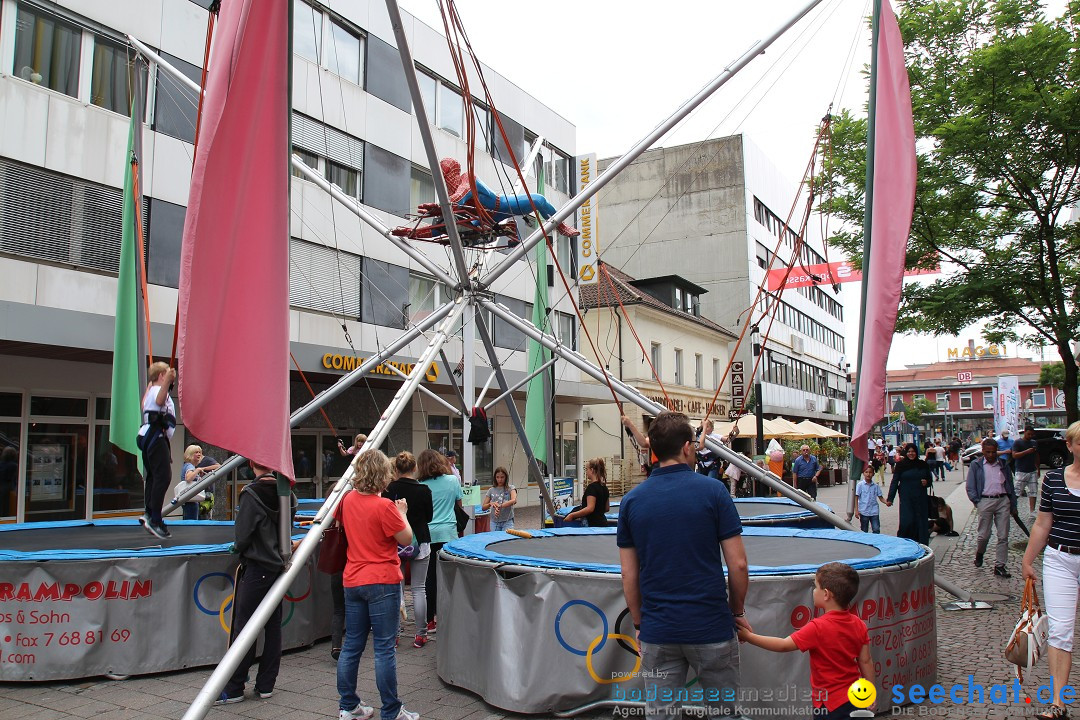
(1049, 441)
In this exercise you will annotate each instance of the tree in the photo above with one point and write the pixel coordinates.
(995, 90)
(918, 408)
(1052, 375)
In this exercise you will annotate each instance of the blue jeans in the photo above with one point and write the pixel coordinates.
(191, 511)
(508, 525)
(374, 608)
(874, 521)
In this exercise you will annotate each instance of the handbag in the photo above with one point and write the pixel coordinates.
(333, 550)
(1027, 643)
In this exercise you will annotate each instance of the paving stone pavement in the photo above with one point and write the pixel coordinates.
(969, 644)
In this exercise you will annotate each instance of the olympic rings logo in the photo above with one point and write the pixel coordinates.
(626, 641)
(225, 608)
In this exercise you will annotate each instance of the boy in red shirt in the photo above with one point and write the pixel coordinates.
(837, 641)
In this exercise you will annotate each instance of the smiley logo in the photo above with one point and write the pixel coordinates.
(862, 693)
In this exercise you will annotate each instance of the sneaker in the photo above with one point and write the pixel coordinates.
(406, 715)
(360, 712)
(227, 699)
(419, 642)
(158, 529)
(978, 559)
(264, 694)
(431, 628)
(1002, 571)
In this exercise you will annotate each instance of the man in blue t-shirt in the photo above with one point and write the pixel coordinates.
(676, 532)
(806, 469)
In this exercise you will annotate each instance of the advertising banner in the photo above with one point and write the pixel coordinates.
(587, 244)
(130, 616)
(827, 274)
(1007, 405)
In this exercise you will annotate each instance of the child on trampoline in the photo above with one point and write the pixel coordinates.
(837, 641)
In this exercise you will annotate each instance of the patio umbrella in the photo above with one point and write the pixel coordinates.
(819, 431)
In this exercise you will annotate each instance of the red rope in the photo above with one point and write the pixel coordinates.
(210, 20)
(312, 391)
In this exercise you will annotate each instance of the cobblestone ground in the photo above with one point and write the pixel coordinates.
(969, 644)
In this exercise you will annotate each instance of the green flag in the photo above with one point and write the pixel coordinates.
(536, 404)
(129, 342)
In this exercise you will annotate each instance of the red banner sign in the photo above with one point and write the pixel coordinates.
(841, 272)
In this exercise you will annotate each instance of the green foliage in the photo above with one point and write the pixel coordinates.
(918, 409)
(995, 92)
(1052, 374)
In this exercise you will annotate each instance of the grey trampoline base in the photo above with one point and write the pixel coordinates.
(533, 638)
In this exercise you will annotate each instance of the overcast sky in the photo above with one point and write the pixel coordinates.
(616, 70)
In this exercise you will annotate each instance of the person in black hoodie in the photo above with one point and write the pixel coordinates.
(419, 515)
(911, 478)
(262, 562)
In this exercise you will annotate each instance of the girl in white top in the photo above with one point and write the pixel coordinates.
(159, 424)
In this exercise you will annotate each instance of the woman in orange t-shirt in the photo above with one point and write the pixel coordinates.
(374, 526)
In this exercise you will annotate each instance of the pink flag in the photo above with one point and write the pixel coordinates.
(234, 268)
(893, 202)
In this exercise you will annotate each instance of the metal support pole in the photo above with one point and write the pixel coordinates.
(299, 165)
(434, 396)
(520, 384)
(429, 142)
(483, 390)
(621, 163)
(465, 409)
(320, 400)
(726, 453)
(247, 637)
(515, 416)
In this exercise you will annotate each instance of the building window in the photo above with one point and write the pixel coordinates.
(346, 178)
(421, 187)
(307, 31)
(567, 325)
(678, 367)
(343, 54)
(340, 155)
(965, 401)
(114, 77)
(423, 297)
(310, 159)
(943, 401)
(324, 279)
(47, 51)
(451, 111)
(655, 353)
(698, 379)
(1038, 397)
(988, 399)
(557, 169)
(344, 47)
(917, 396)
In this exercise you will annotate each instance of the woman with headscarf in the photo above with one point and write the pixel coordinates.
(911, 477)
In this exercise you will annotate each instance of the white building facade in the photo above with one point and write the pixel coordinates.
(66, 74)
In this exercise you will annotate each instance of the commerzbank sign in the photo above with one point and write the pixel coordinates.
(348, 363)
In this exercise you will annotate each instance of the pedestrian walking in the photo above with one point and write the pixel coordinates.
(990, 488)
(867, 512)
(911, 478)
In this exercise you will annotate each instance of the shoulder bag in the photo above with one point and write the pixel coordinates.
(333, 549)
